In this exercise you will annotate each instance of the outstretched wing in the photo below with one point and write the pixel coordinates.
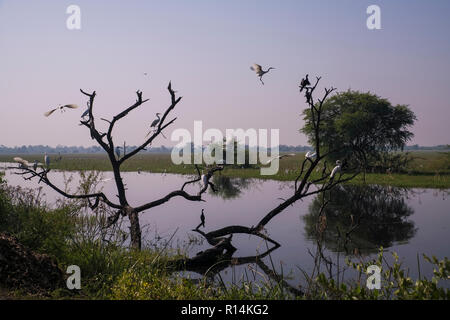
(50, 112)
(256, 67)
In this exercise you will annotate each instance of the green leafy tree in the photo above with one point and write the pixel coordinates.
(359, 125)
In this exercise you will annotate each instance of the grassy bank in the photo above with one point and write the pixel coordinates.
(427, 170)
(111, 271)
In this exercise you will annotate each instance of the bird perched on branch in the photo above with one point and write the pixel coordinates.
(310, 155)
(305, 82)
(202, 218)
(259, 71)
(281, 157)
(23, 164)
(66, 106)
(154, 124)
(335, 170)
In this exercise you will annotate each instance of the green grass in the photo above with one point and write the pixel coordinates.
(428, 169)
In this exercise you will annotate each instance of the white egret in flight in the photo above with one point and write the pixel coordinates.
(281, 157)
(259, 71)
(67, 106)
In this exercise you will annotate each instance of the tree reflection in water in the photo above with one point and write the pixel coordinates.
(230, 188)
(361, 218)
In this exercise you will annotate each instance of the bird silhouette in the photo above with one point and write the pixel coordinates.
(66, 106)
(259, 71)
(305, 82)
(202, 218)
(154, 124)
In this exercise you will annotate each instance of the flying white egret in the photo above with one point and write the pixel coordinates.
(335, 169)
(154, 123)
(259, 71)
(281, 157)
(46, 160)
(68, 106)
(305, 82)
(310, 155)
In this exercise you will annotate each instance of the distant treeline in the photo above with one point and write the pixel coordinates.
(96, 149)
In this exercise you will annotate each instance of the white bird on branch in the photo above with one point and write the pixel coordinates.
(335, 169)
(259, 71)
(310, 155)
(280, 157)
(23, 164)
(154, 124)
(67, 106)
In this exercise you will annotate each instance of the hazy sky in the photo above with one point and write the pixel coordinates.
(205, 48)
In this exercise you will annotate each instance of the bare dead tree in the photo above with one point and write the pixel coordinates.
(303, 182)
(106, 141)
(221, 245)
(305, 178)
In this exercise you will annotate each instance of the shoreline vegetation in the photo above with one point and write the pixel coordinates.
(428, 169)
(69, 235)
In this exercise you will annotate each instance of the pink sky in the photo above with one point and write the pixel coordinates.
(205, 48)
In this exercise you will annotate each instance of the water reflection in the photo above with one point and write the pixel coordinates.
(408, 221)
(362, 218)
(230, 188)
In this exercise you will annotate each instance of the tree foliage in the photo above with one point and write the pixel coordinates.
(362, 122)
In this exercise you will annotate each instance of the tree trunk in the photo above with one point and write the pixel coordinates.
(135, 230)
